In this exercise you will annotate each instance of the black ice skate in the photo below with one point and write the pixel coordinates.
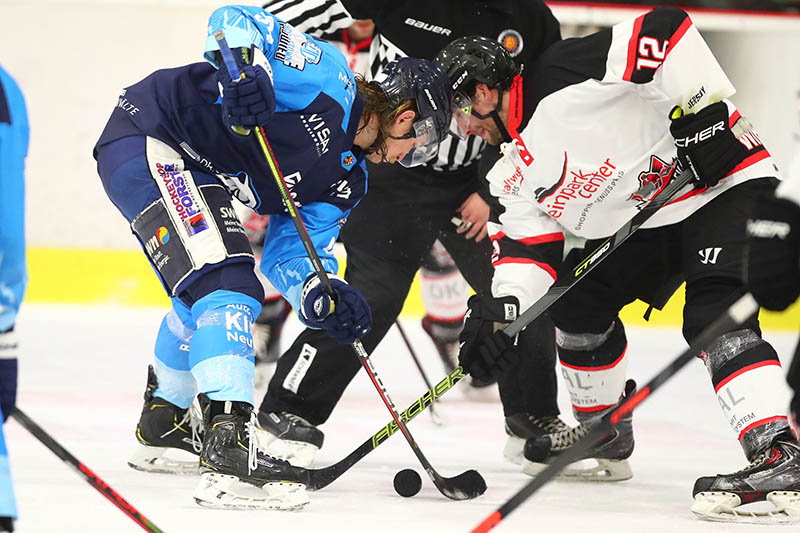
(445, 338)
(609, 455)
(290, 437)
(773, 476)
(231, 453)
(523, 426)
(164, 428)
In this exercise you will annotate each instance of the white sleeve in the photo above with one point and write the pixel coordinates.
(664, 53)
(527, 245)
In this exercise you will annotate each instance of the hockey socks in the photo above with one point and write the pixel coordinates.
(744, 371)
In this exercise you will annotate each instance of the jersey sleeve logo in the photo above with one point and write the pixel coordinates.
(295, 49)
(511, 41)
(348, 160)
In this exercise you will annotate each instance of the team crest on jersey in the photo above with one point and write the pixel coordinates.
(348, 160)
(653, 180)
(511, 41)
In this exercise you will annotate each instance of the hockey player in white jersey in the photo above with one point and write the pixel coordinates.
(598, 128)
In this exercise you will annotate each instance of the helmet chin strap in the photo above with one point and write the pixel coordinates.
(514, 110)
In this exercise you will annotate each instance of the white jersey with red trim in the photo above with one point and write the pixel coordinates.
(595, 145)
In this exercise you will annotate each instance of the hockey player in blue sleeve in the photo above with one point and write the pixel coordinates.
(171, 158)
(13, 274)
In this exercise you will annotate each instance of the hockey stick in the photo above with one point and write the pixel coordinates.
(736, 314)
(464, 486)
(434, 415)
(90, 477)
(322, 477)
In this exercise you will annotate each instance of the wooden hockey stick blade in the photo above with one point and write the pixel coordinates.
(736, 314)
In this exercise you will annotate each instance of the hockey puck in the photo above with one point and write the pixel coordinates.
(407, 483)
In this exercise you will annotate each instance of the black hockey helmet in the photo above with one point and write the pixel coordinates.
(427, 84)
(470, 60)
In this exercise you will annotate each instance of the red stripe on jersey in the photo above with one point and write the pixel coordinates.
(679, 33)
(443, 319)
(592, 409)
(748, 368)
(530, 241)
(761, 423)
(733, 118)
(748, 161)
(596, 368)
(525, 261)
(632, 45)
(751, 160)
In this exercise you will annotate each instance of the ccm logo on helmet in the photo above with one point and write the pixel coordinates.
(427, 27)
(700, 136)
(460, 80)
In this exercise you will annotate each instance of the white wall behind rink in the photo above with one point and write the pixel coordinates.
(72, 57)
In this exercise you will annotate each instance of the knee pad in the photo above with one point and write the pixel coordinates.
(745, 372)
(221, 352)
(593, 366)
(706, 300)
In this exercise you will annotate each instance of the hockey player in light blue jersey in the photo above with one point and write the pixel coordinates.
(13, 273)
(170, 159)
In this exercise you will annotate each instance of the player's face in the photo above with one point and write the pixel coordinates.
(483, 103)
(394, 150)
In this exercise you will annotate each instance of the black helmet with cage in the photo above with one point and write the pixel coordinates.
(471, 60)
(428, 85)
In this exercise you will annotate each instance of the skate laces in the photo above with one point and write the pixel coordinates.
(195, 422)
(297, 418)
(568, 437)
(550, 424)
(252, 443)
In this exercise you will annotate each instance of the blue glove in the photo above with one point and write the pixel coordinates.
(349, 319)
(247, 102)
(8, 372)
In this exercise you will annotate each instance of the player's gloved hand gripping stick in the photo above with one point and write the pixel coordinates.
(466, 485)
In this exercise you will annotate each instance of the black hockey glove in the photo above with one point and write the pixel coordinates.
(706, 144)
(246, 102)
(772, 263)
(8, 372)
(485, 350)
(349, 319)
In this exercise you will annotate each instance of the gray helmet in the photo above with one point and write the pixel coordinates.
(427, 84)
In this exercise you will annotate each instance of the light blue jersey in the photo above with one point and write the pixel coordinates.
(13, 149)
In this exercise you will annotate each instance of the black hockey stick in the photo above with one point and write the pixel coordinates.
(464, 486)
(87, 474)
(434, 415)
(322, 477)
(736, 314)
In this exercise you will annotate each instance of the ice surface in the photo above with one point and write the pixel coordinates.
(83, 374)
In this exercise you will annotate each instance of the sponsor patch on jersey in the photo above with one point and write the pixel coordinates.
(181, 197)
(348, 160)
(511, 41)
(295, 49)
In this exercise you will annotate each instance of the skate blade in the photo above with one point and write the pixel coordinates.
(726, 507)
(152, 459)
(298, 453)
(215, 491)
(513, 450)
(605, 470)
